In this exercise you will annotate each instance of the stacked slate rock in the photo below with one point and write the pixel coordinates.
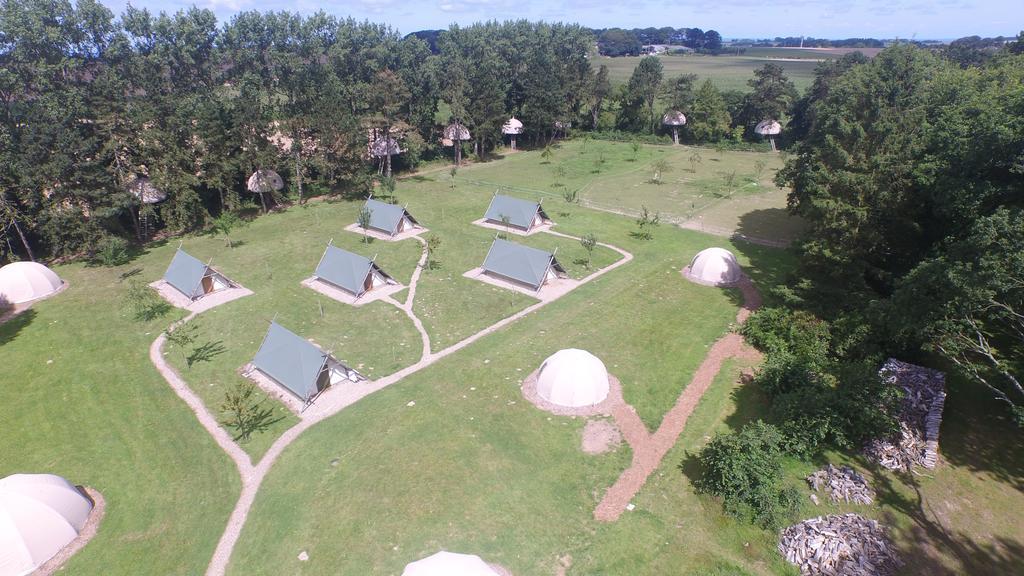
(839, 545)
(917, 442)
(843, 483)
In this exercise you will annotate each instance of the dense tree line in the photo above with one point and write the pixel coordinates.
(121, 127)
(909, 171)
(102, 113)
(910, 175)
(619, 42)
(808, 42)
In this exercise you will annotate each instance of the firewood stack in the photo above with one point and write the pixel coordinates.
(844, 484)
(839, 545)
(920, 417)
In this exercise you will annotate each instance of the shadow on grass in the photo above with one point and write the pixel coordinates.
(768, 268)
(205, 353)
(128, 275)
(751, 404)
(930, 545)
(13, 326)
(978, 434)
(132, 253)
(773, 224)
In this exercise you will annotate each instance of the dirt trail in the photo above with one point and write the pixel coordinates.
(648, 451)
(328, 404)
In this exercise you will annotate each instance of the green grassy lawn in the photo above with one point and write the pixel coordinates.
(274, 253)
(727, 191)
(81, 399)
(727, 72)
(472, 466)
(271, 257)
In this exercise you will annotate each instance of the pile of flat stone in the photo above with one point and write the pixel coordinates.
(844, 484)
(839, 545)
(924, 396)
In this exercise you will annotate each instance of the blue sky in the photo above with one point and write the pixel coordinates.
(936, 19)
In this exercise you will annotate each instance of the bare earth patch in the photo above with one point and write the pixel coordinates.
(272, 389)
(382, 236)
(344, 297)
(600, 436)
(16, 309)
(614, 398)
(551, 289)
(201, 304)
(512, 229)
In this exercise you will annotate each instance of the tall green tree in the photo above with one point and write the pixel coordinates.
(709, 120)
(643, 87)
(771, 97)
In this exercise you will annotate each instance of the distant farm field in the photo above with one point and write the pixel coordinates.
(727, 72)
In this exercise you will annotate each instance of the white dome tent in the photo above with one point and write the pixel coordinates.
(449, 564)
(573, 378)
(27, 281)
(40, 514)
(714, 267)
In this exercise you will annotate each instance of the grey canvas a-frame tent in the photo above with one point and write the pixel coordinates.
(521, 264)
(192, 277)
(298, 365)
(390, 219)
(352, 273)
(521, 214)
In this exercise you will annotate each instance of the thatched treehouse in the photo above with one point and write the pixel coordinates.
(512, 128)
(562, 128)
(381, 148)
(769, 129)
(263, 182)
(144, 192)
(455, 134)
(675, 119)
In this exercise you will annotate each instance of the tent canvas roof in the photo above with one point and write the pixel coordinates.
(186, 274)
(345, 269)
(520, 213)
(386, 217)
(295, 363)
(520, 263)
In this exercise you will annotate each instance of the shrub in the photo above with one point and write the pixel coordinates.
(744, 469)
(112, 251)
(243, 411)
(144, 303)
(774, 330)
(783, 372)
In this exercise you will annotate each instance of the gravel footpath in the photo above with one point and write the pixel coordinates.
(336, 399)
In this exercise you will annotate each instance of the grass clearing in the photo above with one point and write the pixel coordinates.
(472, 465)
(81, 399)
(724, 191)
(726, 72)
